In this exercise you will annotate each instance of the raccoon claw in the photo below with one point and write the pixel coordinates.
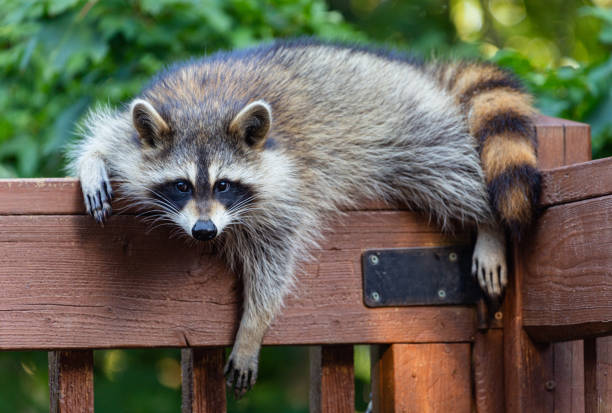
(240, 379)
(98, 205)
(98, 197)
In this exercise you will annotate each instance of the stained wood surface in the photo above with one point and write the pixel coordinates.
(422, 378)
(568, 283)
(577, 182)
(332, 379)
(568, 382)
(598, 375)
(528, 366)
(71, 388)
(66, 283)
(487, 368)
(203, 384)
(535, 378)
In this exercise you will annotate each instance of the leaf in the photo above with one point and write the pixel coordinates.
(59, 6)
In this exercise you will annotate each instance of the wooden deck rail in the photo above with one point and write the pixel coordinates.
(69, 286)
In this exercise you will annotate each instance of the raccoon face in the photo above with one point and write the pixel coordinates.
(200, 186)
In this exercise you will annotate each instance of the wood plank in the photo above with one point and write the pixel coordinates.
(527, 365)
(568, 382)
(332, 379)
(422, 378)
(577, 143)
(551, 145)
(598, 375)
(83, 286)
(203, 384)
(71, 387)
(568, 282)
(577, 182)
(488, 370)
(41, 196)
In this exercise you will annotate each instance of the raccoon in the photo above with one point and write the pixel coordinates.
(259, 148)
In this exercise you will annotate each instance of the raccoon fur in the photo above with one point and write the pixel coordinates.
(259, 148)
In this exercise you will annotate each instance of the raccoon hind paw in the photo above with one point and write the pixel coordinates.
(489, 261)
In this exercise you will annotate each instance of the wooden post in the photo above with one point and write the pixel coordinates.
(535, 380)
(71, 381)
(488, 367)
(203, 387)
(422, 378)
(598, 374)
(332, 379)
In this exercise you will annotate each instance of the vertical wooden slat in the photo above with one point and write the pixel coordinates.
(568, 377)
(332, 379)
(71, 381)
(598, 375)
(203, 387)
(422, 378)
(488, 370)
(527, 366)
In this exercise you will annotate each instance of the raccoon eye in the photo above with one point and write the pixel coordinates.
(182, 186)
(222, 186)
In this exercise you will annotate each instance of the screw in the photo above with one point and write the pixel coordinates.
(452, 256)
(499, 315)
(442, 294)
(374, 259)
(550, 385)
(375, 296)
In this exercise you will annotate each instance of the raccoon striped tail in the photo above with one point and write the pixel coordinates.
(500, 116)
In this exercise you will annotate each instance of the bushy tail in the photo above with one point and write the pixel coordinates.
(500, 116)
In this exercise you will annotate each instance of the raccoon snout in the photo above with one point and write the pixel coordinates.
(204, 230)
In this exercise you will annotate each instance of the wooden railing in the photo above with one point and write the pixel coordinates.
(69, 286)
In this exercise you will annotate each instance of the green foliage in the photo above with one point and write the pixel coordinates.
(583, 93)
(57, 58)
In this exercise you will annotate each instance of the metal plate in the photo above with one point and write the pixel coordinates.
(419, 276)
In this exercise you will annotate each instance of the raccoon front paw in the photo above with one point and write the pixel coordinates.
(241, 374)
(97, 192)
(489, 261)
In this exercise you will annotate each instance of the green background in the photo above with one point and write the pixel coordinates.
(58, 58)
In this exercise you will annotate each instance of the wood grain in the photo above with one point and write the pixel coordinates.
(422, 378)
(577, 143)
(598, 375)
(577, 182)
(488, 369)
(528, 366)
(568, 384)
(71, 388)
(551, 145)
(533, 378)
(332, 379)
(66, 283)
(568, 282)
(203, 384)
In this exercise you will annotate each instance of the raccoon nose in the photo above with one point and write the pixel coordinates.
(204, 230)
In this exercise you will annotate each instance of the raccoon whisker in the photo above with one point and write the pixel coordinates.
(162, 199)
(241, 203)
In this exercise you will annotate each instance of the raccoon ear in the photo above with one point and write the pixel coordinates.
(252, 123)
(150, 125)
